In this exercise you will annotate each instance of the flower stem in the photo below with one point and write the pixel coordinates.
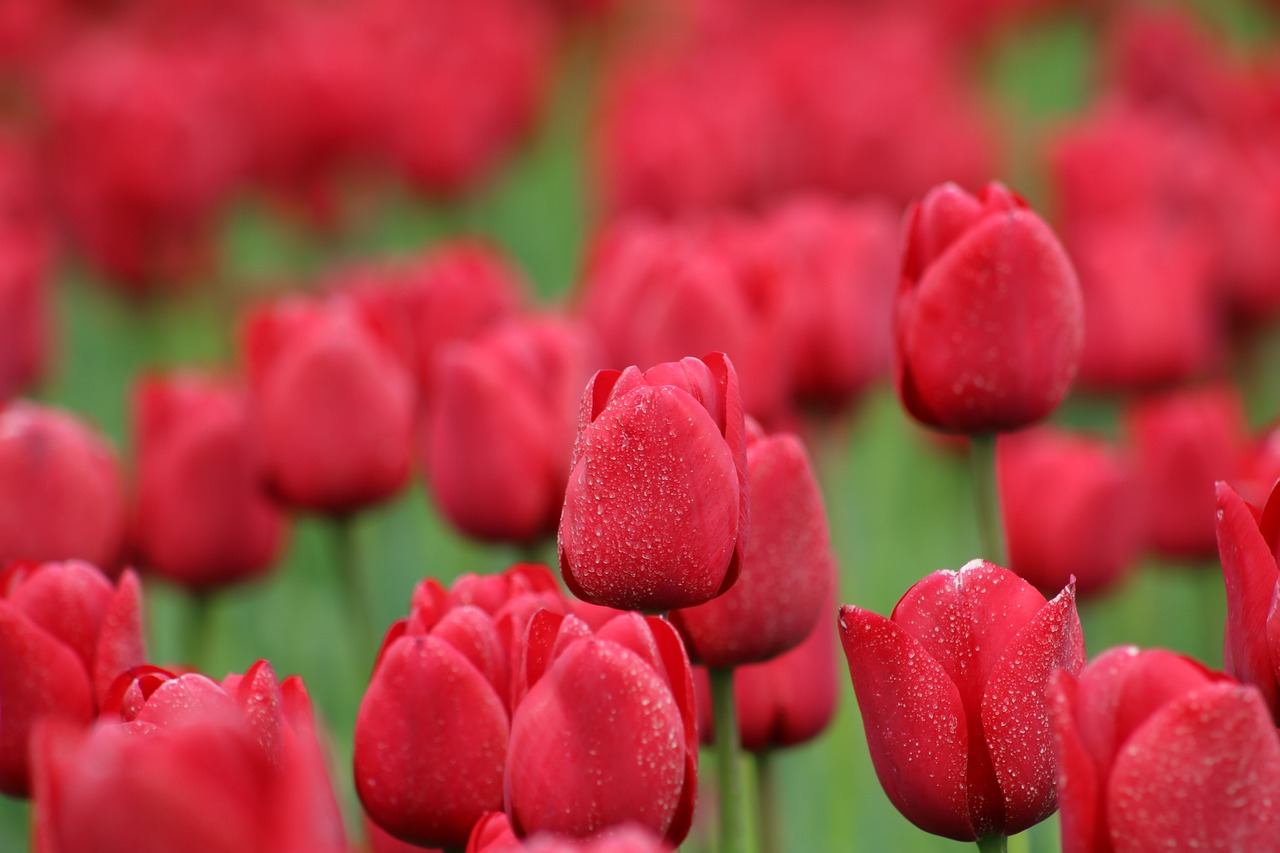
(769, 807)
(732, 837)
(982, 456)
(993, 844)
(347, 562)
(199, 628)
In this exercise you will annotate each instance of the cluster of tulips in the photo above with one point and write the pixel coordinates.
(794, 207)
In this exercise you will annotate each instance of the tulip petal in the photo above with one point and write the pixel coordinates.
(1249, 571)
(1202, 774)
(1078, 793)
(1015, 717)
(915, 723)
(120, 642)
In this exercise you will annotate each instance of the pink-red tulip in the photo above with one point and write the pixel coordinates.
(65, 634)
(951, 689)
(655, 516)
(606, 733)
(202, 514)
(989, 319)
(493, 834)
(788, 566)
(1184, 442)
(61, 490)
(1157, 753)
(1088, 525)
(333, 404)
(1248, 540)
(500, 431)
(184, 760)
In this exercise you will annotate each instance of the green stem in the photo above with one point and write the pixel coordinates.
(732, 837)
(993, 844)
(199, 630)
(982, 455)
(347, 562)
(770, 806)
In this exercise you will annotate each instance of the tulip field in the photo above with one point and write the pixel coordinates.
(614, 426)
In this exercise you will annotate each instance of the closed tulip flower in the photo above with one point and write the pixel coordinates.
(788, 569)
(1089, 525)
(203, 517)
(1248, 540)
(333, 405)
(235, 766)
(951, 689)
(988, 324)
(500, 432)
(655, 516)
(65, 634)
(1157, 753)
(605, 734)
(61, 490)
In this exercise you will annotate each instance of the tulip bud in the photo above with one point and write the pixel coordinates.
(333, 405)
(1157, 753)
(655, 516)
(788, 569)
(951, 689)
(61, 487)
(500, 432)
(203, 517)
(988, 325)
(65, 634)
(605, 734)
(1089, 525)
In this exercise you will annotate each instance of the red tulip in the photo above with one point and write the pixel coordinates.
(500, 432)
(24, 324)
(606, 733)
(494, 835)
(230, 767)
(951, 689)
(988, 325)
(1157, 753)
(65, 634)
(1248, 540)
(431, 734)
(1184, 442)
(1088, 525)
(333, 404)
(788, 567)
(655, 516)
(61, 489)
(203, 517)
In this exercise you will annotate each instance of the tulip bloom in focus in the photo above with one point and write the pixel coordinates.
(203, 517)
(655, 516)
(1247, 542)
(65, 634)
(989, 319)
(951, 689)
(605, 733)
(1156, 752)
(61, 489)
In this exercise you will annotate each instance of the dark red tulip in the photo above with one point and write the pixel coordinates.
(500, 431)
(655, 516)
(1184, 442)
(989, 319)
(1088, 525)
(202, 514)
(333, 404)
(1248, 539)
(1157, 753)
(788, 567)
(956, 677)
(606, 733)
(65, 634)
(235, 766)
(60, 487)
(494, 835)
